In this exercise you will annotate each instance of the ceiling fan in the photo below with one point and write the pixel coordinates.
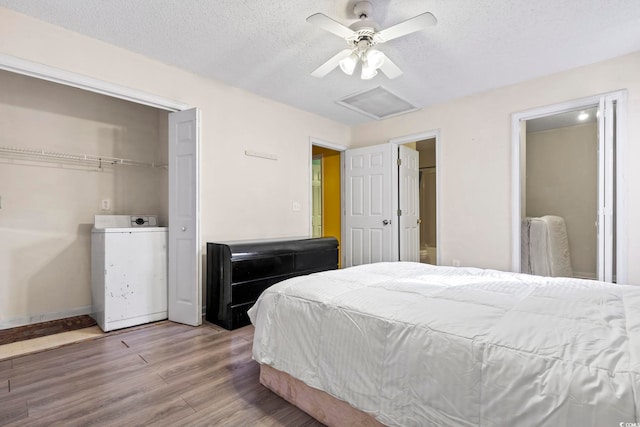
(362, 36)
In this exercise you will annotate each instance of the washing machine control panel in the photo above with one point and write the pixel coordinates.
(125, 221)
(144, 221)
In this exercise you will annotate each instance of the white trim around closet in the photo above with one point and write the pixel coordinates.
(68, 78)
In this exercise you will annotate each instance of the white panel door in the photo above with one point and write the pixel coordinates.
(606, 189)
(409, 203)
(185, 290)
(368, 220)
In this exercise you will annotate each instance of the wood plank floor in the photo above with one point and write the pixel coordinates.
(166, 374)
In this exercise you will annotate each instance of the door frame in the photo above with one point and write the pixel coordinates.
(332, 146)
(90, 84)
(395, 142)
(620, 97)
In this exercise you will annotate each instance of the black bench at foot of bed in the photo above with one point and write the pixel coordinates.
(238, 272)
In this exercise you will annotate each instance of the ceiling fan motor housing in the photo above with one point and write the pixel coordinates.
(364, 28)
(363, 9)
(362, 39)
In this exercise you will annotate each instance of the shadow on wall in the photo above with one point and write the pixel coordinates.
(48, 286)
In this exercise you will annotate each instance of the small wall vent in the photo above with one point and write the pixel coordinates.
(378, 103)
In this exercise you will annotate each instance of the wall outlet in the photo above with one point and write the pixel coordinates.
(106, 205)
(296, 206)
(455, 262)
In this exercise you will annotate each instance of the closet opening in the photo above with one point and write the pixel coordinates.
(67, 154)
(184, 281)
(568, 214)
(561, 195)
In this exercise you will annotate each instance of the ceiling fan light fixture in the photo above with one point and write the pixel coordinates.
(368, 72)
(348, 64)
(375, 58)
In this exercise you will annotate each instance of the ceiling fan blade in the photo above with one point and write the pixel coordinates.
(328, 24)
(390, 69)
(409, 26)
(332, 63)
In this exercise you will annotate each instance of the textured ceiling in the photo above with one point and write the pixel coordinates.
(267, 47)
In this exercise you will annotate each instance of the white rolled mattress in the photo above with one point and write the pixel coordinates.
(421, 345)
(545, 247)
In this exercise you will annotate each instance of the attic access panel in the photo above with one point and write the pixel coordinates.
(378, 103)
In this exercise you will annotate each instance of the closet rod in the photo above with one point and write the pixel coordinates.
(88, 158)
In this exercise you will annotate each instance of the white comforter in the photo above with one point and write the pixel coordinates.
(418, 345)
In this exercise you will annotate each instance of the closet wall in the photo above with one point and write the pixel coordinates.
(47, 205)
(562, 180)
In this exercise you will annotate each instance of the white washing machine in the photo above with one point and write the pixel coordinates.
(128, 270)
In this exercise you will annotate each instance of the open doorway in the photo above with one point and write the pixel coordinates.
(568, 187)
(425, 190)
(561, 194)
(326, 193)
(427, 196)
(380, 225)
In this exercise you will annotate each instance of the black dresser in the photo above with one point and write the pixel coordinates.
(238, 272)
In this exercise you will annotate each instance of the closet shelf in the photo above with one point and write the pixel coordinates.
(100, 161)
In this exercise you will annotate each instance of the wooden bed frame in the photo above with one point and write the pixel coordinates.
(320, 405)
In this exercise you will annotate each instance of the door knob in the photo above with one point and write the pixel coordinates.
(183, 228)
(419, 221)
(386, 222)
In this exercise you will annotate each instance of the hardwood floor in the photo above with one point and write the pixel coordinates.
(166, 374)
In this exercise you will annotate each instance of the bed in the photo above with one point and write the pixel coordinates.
(408, 344)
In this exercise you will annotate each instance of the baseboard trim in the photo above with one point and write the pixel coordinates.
(44, 317)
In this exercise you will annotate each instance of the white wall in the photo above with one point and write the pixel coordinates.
(48, 205)
(475, 200)
(241, 197)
